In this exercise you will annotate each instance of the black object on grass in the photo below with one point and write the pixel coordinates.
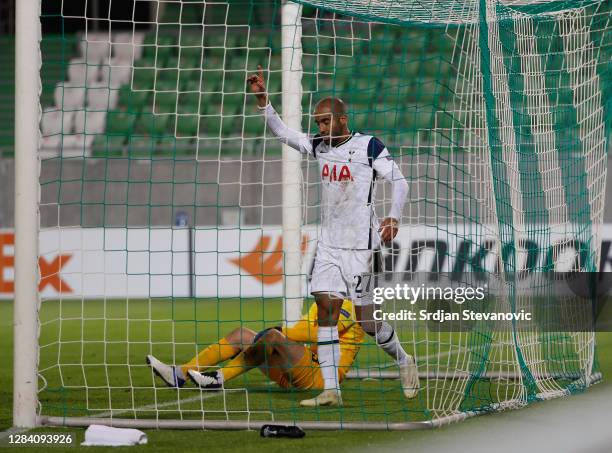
(293, 432)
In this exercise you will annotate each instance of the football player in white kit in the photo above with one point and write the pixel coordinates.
(349, 164)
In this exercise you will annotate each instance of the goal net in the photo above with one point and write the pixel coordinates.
(170, 215)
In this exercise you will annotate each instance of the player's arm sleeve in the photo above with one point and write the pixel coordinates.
(295, 139)
(385, 167)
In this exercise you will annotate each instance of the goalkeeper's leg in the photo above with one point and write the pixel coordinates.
(224, 349)
(270, 351)
(386, 338)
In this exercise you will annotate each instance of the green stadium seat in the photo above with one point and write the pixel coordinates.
(212, 60)
(154, 125)
(141, 146)
(190, 58)
(143, 78)
(167, 77)
(131, 100)
(188, 75)
(172, 13)
(187, 125)
(161, 47)
(253, 126)
(191, 37)
(234, 83)
(164, 102)
(191, 13)
(217, 126)
(188, 103)
(109, 146)
(120, 123)
(212, 80)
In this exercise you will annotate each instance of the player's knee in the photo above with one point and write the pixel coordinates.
(240, 335)
(267, 340)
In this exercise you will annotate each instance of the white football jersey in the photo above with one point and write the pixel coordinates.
(348, 174)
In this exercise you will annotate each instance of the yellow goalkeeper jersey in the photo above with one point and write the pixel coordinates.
(350, 333)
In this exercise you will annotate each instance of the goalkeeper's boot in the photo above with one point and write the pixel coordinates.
(409, 377)
(173, 376)
(330, 397)
(212, 380)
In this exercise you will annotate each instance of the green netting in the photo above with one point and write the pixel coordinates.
(497, 112)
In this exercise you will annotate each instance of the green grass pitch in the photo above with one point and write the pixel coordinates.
(174, 333)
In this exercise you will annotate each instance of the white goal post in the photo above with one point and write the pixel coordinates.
(27, 196)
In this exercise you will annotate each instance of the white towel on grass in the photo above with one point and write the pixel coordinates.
(100, 435)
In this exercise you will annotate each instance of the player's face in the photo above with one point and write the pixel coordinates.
(325, 123)
(331, 128)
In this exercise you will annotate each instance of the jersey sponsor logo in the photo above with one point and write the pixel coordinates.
(264, 263)
(333, 174)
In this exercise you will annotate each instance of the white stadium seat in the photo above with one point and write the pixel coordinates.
(119, 73)
(80, 72)
(55, 122)
(95, 47)
(89, 122)
(101, 97)
(54, 125)
(126, 47)
(69, 96)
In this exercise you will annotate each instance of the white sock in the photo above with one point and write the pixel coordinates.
(387, 339)
(328, 350)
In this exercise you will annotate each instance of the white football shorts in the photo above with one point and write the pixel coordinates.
(339, 272)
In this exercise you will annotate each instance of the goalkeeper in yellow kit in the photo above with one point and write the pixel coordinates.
(288, 355)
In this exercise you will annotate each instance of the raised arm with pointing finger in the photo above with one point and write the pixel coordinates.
(295, 139)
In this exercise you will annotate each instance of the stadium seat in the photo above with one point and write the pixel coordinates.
(187, 126)
(191, 13)
(88, 124)
(55, 124)
(95, 47)
(120, 123)
(101, 97)
(127, 47)
(253, 126)
(68, 96)
(109, 145)
(188, 103)
(212, 81)
(164, 102)
(160, 47)
(190, 57)
(154, 125)
(132, 100)
(119, 72)
(54, 121)
(143, 78)
(80, 72)
(217, 126)
(168, 75)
